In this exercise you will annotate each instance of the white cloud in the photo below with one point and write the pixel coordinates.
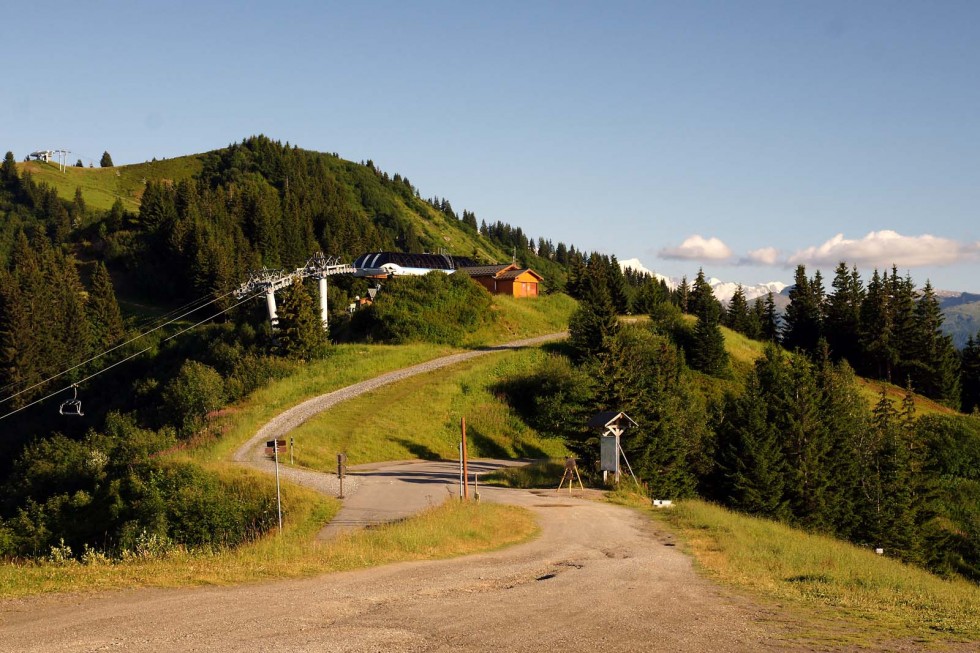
(883, 248)
(698, 248)
(762, 256)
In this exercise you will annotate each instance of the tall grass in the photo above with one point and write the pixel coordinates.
(453, 529)
(877, 597)
(420, 418)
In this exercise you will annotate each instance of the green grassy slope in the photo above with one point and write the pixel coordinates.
(838, 593)
(101, 187)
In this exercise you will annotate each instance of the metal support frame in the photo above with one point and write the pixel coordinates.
(319, 267)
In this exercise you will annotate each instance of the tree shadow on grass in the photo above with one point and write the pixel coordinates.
(418, 450)
(487, 447)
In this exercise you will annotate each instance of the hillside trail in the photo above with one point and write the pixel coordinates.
(599, 576)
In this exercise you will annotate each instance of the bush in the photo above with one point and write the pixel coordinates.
(192, 394)
(436, 308)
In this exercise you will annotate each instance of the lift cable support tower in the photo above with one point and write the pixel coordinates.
(318, 267)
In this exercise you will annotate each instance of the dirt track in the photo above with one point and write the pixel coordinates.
(598, 578)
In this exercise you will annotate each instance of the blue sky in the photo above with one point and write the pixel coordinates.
(742, 137)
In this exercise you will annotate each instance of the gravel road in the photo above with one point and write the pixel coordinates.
(599, 577)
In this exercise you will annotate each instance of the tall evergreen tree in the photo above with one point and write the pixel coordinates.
(301, 333)
(878, 329)
(594, 322)
(804, 315)
(706, 350)
(103, 311)
(752, 458)
(770, 319)
(106, 160)
(970, 379)
(737, 316)
(844, 314)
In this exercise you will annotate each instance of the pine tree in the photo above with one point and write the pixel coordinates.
(618, 290)
(737, 316)
(106, 161)
(878, 329)
(889, 519)
(846, 421)
(930, 360)
(770, 320)
(844, 314)
(752, 458)
(806, 447)
(594, 322)
(8, 172)
(301, 334)
(682, 296)
(804, 315)
(706, 351)
(103, 311)
(970, 379)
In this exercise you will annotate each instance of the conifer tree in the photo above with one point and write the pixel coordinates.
(707, 346)
(301, 334)
(804, 315)
(970, 383)
(844, 314)
(878, 329)
(594, 322)
(103, 311)
(752, 458)
(737, 316)
(846, 421)
(682, 296)
(8, 172)
(806, 447)
(106, 160)
(931, 359)
(770, 320)
(618, 289)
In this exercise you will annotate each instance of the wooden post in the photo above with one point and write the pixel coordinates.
(466, 489)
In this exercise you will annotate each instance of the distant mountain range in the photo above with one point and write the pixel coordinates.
(961, 309)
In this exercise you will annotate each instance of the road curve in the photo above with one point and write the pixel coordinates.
(600, 577)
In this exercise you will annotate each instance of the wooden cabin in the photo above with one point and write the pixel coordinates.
(508, 279)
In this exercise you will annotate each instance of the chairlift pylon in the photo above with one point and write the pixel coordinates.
(73, 406)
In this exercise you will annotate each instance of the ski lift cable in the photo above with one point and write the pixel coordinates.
(148, 320)
(123, 344)
(128, 358)
(162, 323)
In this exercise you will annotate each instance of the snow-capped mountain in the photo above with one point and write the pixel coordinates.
(724, 290)
(634, 263)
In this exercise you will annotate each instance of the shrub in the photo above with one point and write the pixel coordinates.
(192, 394)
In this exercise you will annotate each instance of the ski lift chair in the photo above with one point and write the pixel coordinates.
(73, 406)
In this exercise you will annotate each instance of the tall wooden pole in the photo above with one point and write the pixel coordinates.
(466, 475)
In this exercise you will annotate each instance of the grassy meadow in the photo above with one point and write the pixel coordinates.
(841, 592)
(420, 418)
(101, 187)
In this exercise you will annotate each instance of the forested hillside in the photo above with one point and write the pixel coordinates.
(791, 437)
(132, 301)
(117, 291)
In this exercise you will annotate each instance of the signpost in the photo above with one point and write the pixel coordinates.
(341, 471)
(612, 424)
(275, 445)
